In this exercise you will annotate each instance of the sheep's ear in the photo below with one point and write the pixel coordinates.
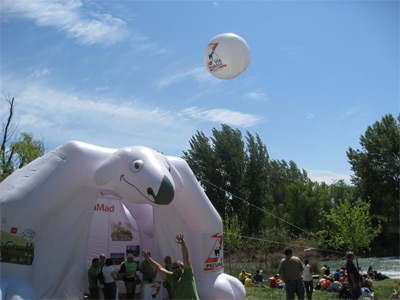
(109, 168)
(175, 176)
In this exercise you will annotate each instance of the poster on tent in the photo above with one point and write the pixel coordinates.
(213, 251)
(113, 231)
(17, 245)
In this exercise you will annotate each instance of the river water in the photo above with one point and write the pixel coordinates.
(390, 266)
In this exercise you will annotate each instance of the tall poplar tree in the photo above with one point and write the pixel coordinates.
(256, 177)
(376, 166)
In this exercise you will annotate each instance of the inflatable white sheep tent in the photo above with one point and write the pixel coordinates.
(48, 207)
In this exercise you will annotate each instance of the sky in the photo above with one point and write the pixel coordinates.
(124, 73)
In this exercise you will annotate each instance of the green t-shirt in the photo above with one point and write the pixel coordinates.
(183, 287)
(128, 267)
(92, 277)
(147, 270)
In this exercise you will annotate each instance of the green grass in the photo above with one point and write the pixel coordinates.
(382, 289)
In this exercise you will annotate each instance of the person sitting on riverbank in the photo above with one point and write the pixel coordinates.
(326, 283)
(370, 273)
(366, 282)
(336, 275)
(323, 270)
(258, 277)
(243, 275)
(248, 281)
(335, 286)
(380, 276)
(275, 282)
(343, 277)
(318, 285)
(327, 272)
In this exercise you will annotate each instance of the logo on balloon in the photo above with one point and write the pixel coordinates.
(214, 62)
(226, 56)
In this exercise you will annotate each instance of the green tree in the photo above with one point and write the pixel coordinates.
(377, 166)
(276, 187)
(230, 153)
(204, 164)
(256, 183)
(232, 237)
(348, 226)
(287, 186)
(14, 155)
(339, 190)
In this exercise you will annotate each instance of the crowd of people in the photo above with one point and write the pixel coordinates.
(349, 280)
(293, 276)
(102, 276)
(298, 278)
(178, 276)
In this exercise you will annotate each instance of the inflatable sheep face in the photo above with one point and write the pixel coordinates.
(139, 173)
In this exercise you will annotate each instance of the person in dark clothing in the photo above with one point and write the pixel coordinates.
(258, 277)
(353, 276)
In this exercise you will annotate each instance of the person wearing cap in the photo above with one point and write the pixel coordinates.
(128, 271)
(243, 275)
(181, 278)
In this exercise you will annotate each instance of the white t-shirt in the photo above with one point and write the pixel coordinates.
(307, 276)
(107, 274)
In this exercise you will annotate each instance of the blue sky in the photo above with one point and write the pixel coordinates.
(123, 73)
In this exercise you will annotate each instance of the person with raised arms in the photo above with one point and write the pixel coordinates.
(181, 278)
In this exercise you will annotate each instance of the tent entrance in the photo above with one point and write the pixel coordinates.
(115, 232)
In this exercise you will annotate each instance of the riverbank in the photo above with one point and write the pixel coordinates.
(389, 266)
(382, 290)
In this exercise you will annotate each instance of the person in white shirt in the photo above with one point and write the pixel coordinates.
(308, 279)
(110, 275)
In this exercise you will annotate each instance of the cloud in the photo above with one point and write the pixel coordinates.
(352, 111)
(63, 107)
(225, 116)
(328, 177)
(58, 116)
(102, 89)
(199, 74)
(256, 96)
(70, 18)
(309, 116)
(40, 73)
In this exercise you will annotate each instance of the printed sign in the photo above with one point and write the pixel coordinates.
(213, 249)
(17, 245)
(120, 232)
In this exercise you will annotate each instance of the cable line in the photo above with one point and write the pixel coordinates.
(301, 229)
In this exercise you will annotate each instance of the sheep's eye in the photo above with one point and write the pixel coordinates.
(136, 165)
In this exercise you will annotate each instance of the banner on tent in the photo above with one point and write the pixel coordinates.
(17, 245)
(213, 252)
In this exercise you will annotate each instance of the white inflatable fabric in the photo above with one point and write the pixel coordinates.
(48, 209)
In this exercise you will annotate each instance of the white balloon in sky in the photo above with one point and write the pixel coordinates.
(227, 55)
